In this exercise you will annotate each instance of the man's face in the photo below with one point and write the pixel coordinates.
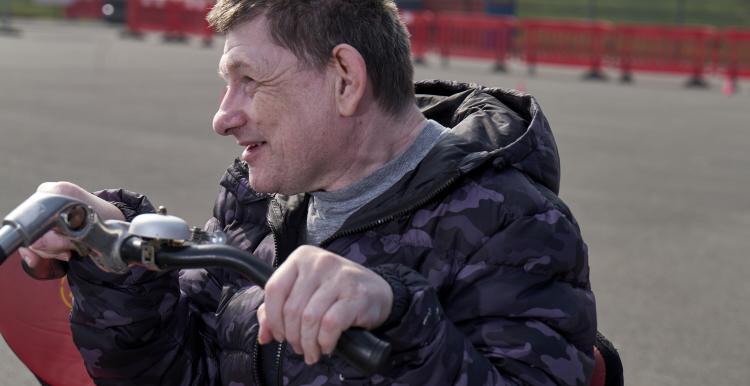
(280, 112)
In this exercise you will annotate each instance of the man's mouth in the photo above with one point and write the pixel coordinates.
(251, 149)
(255, 145)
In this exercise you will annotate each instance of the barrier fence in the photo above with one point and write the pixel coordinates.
(594, 46)
(176, 19)
(565, 43)
(675, 50)
(84, 9)
(420, 25)
(695, 51)
(194, 19)
(481, 36)
(734, 55)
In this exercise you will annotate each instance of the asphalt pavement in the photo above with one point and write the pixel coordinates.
(658, 175)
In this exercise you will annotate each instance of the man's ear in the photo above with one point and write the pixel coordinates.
(351, 78)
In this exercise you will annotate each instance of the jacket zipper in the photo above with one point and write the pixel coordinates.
(255, 361)
(276, 264)
(256, 345)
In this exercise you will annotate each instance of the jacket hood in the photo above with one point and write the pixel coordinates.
(502, 128)
(493, 123)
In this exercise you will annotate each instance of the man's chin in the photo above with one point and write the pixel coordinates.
(262, 185)
(258, 186)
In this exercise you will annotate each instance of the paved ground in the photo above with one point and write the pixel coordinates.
(657, 175)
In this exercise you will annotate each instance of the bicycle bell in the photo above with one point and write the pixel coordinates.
(160, 226)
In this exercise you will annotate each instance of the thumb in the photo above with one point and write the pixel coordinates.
(31, 259)
(264, 333)
(40, 268)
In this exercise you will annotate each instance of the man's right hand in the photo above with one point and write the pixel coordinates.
(42, 257)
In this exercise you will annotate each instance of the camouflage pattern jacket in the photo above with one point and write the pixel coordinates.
(493, 267)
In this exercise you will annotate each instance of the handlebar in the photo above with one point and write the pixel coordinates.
(112, 246)
(33, 218)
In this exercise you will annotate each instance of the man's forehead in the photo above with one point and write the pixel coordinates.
(252, 32)
(249, 45)
(236, 60)
(243, 56)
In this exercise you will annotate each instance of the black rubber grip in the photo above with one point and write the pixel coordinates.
(10, 240)
(3, 255)
(363, 350)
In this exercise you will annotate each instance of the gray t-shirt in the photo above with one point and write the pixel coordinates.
(328, 211)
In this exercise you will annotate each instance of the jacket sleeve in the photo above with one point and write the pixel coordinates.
(144, 327)
(519, 312)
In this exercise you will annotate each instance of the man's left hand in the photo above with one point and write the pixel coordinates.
(316, 295)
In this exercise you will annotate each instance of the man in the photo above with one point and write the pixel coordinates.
(444, 237)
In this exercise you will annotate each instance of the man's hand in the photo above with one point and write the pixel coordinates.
(316, 295)
(52, 246)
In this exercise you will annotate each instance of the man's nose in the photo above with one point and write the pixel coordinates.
(230, 114)
(227, 119)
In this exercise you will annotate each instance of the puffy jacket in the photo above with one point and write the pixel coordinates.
(494, 269)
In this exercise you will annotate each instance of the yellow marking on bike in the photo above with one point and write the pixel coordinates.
(65, 294)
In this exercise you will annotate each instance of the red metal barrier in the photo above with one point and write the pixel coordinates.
(570, 43)
(734, 54)
(677, 50)
(84, 9)
(146, 16)
(194, 19)
(421, 26)
(175, 18)
(474, 36)
(471, 6)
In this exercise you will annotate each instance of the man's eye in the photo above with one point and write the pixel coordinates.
(247, 79)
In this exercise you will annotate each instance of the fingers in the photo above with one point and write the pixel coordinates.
(264, 334)
(337, 318)
(302, 317)
(52, 246)
(314, 296)
(294, 307)
(41, 268)
(64, 188)
(311, 318)
(277, 289)
(104, 209)
(32, 259)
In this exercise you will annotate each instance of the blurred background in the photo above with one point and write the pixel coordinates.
(649, 102)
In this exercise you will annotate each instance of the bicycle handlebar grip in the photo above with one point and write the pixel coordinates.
(3, 255)
(10, 240)
(363, 350)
